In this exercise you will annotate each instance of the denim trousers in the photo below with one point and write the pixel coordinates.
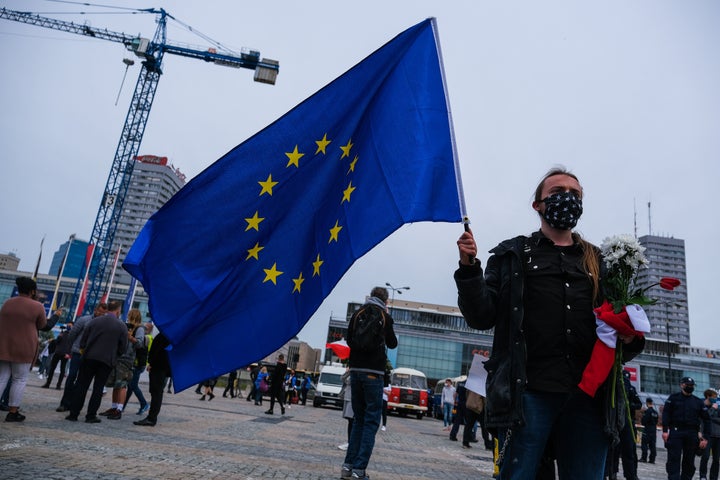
(366, 390)
(447, 414)
(572, 422)
(134, 387)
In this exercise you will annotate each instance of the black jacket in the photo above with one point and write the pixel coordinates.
(495, 300)
(158, 355)
(372, 361)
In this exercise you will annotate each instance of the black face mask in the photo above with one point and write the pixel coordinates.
(562, 210)
(688, 389)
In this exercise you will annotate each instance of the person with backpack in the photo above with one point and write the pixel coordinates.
(370, 332)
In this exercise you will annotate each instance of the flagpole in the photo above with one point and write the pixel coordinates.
(456, 159)
(83, 291)
(129, 298)
(53, 305)
(112, 275)
(37, 265)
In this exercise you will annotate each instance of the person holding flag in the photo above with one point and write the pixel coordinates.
(538, 293)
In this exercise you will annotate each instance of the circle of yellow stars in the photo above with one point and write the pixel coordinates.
(266, 188)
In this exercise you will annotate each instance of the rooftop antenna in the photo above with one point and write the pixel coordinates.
(649, 220)
(634, 218)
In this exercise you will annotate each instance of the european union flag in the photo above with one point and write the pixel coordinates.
(239, 259)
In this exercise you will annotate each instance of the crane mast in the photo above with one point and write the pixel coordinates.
(113, 198)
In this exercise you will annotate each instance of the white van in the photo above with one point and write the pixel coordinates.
(328, 386)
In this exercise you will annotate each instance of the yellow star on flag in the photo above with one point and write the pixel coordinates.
(347, 192)
(346, 149)
(294, 157)
(271, 274)
(254, 222)
(267, 186)
(352, 164)
(322, 144)
(316, 265)
(334, 232)
(298, 282)
(253, 252)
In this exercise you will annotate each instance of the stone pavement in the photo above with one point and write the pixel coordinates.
(227, 439)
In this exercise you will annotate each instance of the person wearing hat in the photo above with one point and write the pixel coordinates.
(682, 415)
(649, 422)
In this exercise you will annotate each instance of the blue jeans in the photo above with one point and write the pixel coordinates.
(134, 387)
(572, 422)
(447, 414)
(366, 390)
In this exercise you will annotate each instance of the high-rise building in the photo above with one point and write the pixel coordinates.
(75, 259)
(9, 261)
(153, 182)
(669, 316)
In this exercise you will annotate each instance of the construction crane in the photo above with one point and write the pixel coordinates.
(151, 52)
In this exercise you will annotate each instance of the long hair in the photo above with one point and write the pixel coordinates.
(591, 264)
(134, 317)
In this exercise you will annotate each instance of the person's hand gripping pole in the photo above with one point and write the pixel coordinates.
(466, 244)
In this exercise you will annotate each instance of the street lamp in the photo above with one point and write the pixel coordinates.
(394, 290)
(667, 336)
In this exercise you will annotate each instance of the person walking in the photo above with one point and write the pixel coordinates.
(44, 357)
(345, 396)
(277, 383)
(159, 371)
(230, 387)
(61, 355)
(538, 292)
(254, 371)
(305, 388)
(104, 340)
(648, 441)
(713, 446)
(20, 319)
(448, 399)
(261, 385)
(387, 389)
(370, 331)
(681, 416)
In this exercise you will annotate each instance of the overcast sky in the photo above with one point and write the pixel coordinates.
(623, 93)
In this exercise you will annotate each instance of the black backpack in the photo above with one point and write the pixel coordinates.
(367, 329)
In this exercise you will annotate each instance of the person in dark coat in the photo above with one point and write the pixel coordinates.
(682, 415)
(538, 293)
(104, 340)
(159, 371)
(61, 355)
(277, 380)
(649, 422)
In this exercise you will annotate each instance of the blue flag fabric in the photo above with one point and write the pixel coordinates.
(238, 260)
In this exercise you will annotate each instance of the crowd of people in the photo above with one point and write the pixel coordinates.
(98, 349)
